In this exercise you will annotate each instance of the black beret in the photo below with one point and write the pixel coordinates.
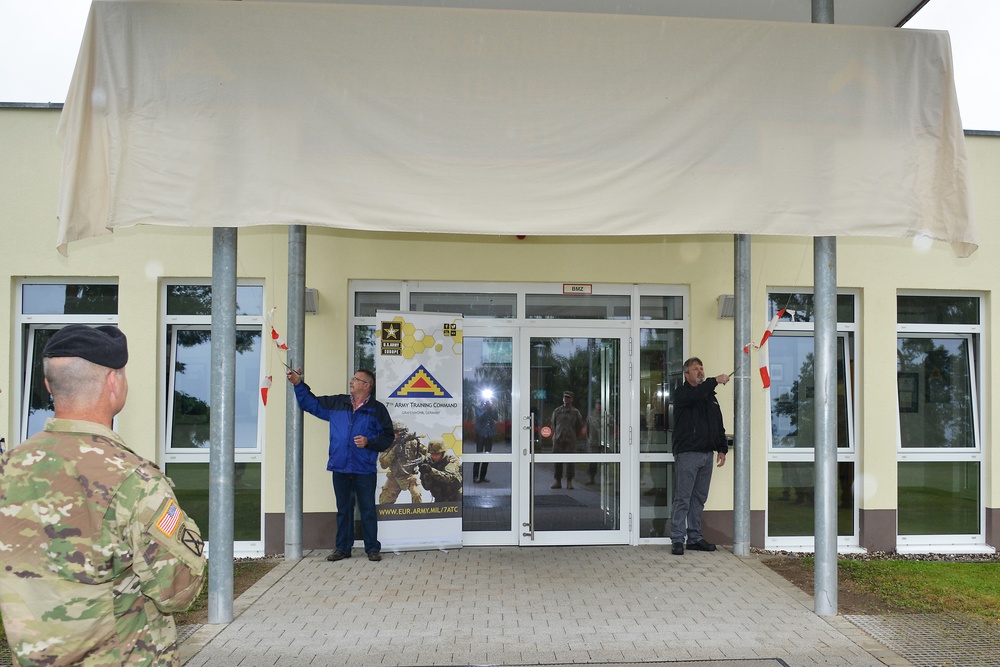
(104, 346)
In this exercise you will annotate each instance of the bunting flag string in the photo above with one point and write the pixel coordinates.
(765, 375)
(279, 342)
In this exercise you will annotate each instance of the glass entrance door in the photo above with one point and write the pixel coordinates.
(571, 458)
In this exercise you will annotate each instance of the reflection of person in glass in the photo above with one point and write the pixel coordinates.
(698, 433)
(567, 426)
(486, 428)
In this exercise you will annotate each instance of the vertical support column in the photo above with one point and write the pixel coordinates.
(825, 407)
(223, 419)
(293, 413)
(741, 428)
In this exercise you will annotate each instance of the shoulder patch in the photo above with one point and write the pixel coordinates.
(170, 519)
(192, 541)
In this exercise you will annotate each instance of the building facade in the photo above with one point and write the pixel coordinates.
(611, 319)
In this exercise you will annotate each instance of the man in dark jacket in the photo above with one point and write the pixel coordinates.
(360, 428)
(698, 432)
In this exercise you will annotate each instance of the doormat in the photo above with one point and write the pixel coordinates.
(557, 500)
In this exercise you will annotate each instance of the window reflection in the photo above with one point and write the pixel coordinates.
(793, 401)
(191, 387)
(935, 392)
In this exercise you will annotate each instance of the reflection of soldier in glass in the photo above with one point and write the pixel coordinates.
(400, 462)
(486, 428)
(441, 473)
(567, 424)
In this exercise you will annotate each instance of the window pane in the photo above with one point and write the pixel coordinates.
(799, 307)
(656, 480)
(661, 308)
(366, 303)
(192, 370)
(556, 510)
(938, 498)
(793, 392)
(469, 305)
(365, 342)
(577, 307)
(791, 494)
(660, 362)
(37, 398)
(937, 309)
(197, 300)
(191, 483)
(69, 299)
(486, 385)
(486, 505)
(935, 392)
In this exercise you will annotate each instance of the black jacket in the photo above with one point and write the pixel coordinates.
(698, 423)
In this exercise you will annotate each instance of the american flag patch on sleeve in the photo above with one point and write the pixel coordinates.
(170, 519)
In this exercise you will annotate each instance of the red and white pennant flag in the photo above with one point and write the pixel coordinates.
(765, 375)
(265, 384)
(278, 340)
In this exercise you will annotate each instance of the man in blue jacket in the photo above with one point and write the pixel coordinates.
(360, 428)
(698, 433)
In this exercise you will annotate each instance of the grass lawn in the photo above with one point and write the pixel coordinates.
(931, 586)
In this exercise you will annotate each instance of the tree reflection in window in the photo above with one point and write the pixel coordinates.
(944, 416)
(192, 371)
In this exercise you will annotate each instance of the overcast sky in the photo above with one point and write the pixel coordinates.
(39, 41)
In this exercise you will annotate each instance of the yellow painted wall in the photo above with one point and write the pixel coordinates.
(141, 258)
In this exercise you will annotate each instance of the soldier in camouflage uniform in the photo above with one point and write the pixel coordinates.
(400, 462)
(96, 552)
(441, 473)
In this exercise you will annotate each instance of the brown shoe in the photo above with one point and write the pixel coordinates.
(338, 555)
(569, 484)
(556, 485)
(374, 556)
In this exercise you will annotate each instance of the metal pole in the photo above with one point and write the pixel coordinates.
(741, 432)
(293, 413)
(223, 427)
(825, 406)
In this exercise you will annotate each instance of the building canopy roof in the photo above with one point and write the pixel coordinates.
(496, 121)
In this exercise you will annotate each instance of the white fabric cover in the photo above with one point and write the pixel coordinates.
(508, 122)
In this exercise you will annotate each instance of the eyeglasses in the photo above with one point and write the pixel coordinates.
(355, 378)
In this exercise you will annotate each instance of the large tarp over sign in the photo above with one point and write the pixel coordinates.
(479, 121)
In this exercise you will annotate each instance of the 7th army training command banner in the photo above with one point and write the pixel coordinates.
(420, 477)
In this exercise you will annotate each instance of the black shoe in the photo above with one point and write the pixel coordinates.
(677, 548)
(374, 556)
(338, 555)
(700, 545)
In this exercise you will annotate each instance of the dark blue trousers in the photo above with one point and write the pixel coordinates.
(350, 489)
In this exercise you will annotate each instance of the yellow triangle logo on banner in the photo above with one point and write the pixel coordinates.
(420, 384)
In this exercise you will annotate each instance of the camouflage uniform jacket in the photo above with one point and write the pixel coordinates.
(96, 552)
(443, 478)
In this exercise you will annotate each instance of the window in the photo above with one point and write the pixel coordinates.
(940, 459)
(186, 440)
(44, 307)
(791, 414)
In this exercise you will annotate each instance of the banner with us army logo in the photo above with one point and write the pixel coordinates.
(419, 490)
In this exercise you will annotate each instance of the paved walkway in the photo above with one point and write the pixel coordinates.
(537, 606)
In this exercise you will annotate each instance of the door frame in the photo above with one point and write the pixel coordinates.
(526, 457)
